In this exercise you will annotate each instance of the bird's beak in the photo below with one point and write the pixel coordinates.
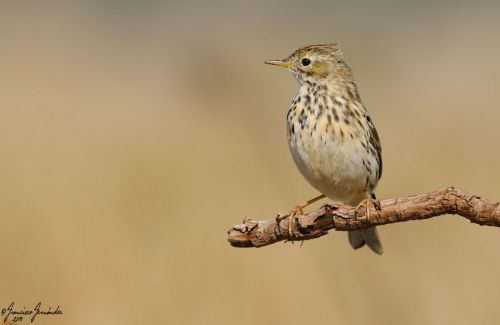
(279, 63)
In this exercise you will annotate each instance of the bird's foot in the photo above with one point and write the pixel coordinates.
(292, 216)
(298, 211)
(367, 203)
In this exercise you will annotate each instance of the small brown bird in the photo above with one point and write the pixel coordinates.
(331, 136)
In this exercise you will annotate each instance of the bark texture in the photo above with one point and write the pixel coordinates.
(315, 224)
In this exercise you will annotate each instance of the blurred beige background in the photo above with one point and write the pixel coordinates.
(134, 134)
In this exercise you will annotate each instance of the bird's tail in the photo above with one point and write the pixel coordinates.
(369, 236)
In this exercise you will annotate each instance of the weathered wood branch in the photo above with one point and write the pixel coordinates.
(315, 224)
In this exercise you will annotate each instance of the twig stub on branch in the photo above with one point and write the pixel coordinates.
(315, 224)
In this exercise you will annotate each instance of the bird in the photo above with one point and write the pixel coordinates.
(331, 136)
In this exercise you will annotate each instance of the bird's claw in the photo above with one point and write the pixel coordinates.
(297, 211)
(366, 203)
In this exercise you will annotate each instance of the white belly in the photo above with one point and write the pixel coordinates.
(333, 165)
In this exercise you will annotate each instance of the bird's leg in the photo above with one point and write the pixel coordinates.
(298, 211)
(369, 201)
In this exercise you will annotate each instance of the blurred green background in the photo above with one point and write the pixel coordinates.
(135, 133)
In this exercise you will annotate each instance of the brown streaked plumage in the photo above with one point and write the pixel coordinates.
(332, 138)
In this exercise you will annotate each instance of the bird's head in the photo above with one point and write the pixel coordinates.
(319, 63)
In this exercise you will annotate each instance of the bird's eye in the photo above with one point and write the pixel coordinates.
(306, 62)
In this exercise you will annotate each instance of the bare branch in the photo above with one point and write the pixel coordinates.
(315, 224)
